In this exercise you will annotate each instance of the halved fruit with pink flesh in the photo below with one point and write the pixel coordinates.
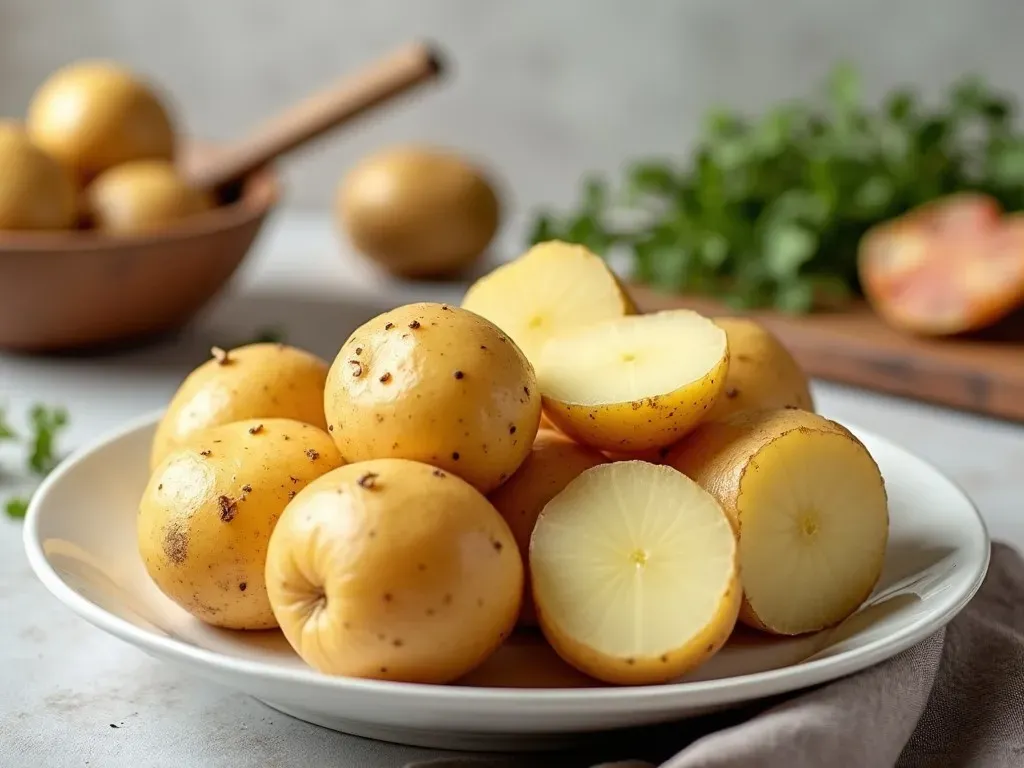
(634, 573)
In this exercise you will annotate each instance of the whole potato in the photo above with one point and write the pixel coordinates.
(142, 196)
(437, 384)
(418, 212)
(35, 191)
(94, 115)
(762, 373)
(553, 463)
(208, 511)
(257, 381)
(395, 570)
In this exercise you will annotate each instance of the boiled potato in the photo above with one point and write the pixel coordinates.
(762, 373)
(553, 461)
(436, 384)
(35, 191)
(418, 211)
(634, 573)
(254, 381)
(809, 506)
(94, 115)
(612, 386)
(208, 511)
(553, 288)
(142, 196)
(395, 570)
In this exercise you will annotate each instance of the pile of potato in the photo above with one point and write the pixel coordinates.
(96, 150)
(541, 455)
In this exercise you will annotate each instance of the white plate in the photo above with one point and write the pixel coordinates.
(80, 539)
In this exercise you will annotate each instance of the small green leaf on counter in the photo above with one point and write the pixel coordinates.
(6, 432)
(16, 507)
(46, 425)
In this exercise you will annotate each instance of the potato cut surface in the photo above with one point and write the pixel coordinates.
(552, 288)
(814, 527)
(634, 573)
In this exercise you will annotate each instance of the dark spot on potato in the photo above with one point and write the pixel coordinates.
(444, 308)
(711, 647)
(497, 545)
(455, 455)
(526, 391)
(483, 347)
(285, 437)
(383, 670)
(385, 377)
(223, 357)
(430, 611)
(502, 477)
(512, 429)
(243, 586)
(372, 533)
(246, 488)
(414, 324)
(357, 368)
(663, 452)
(459, 374)
(631, 661)
(743, 358)
(312, 454)
(792, 408)
(591, 416)
(205, 452)
(397, 642)
(256, 429)
(216, 441)
(439, 473)
(421, 567)
(291, 494)
(228, 508)
(380, 418)
(388, 326)
(176, 544)
(359, 350)
(731, 392)
(293, 478)
(394, 446)
(387, 597)
(368, 481)
(636, 405)
(448, 599)
(330, 427)
(502, 339)
(160, 487)
(664, 659)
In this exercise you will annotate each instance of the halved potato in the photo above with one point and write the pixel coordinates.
(634, 573)
(809, 505)
(635, 382)
(552, 288)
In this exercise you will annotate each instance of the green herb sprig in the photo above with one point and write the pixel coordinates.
(768, 211)
(42, 456)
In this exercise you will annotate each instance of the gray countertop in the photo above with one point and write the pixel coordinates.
(71, 696)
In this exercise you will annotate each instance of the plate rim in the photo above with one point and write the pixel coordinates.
(713, 692)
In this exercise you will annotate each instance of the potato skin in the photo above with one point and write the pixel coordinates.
(554, 461)
(36, 192)
(640, 425)
(395, 570)
(207, 513)
(257, 381)
(717, 454)
(418, 211)
(142, 196)
(762, 373)
(436, 384)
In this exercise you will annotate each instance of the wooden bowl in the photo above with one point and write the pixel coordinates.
(69, 290)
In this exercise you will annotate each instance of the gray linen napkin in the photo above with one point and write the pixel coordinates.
(956, 699)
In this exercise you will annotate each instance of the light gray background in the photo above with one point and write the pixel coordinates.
(544, 89)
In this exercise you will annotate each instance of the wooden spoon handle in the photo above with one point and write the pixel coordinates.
(376, 84)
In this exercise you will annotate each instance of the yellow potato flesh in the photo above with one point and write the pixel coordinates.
(634, 573)
(634, 383)
(810, 509)
(395, 570)
(553, 288)
(553, 462)
(437, 384)
(256, 381)
(762, 373)
(208, 511)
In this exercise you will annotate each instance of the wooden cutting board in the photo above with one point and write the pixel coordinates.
(982, 373)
